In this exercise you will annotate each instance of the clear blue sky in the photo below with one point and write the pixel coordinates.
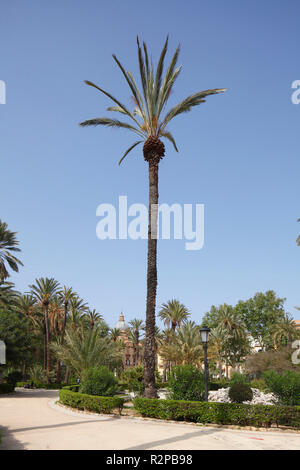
(239, 152)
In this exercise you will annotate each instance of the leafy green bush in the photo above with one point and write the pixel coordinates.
(133, 380)
(240, 392)
(99, 381)
(13, 377)
(285, 386)
(260, 384)
(219, 413)
(6, 388)
(186, 382)
(84, 402)
(238, 378)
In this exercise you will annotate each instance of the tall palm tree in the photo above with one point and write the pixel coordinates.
(26, 305)
(298, 238)
(8, 296)
(173, 313)
(78, 308)
(217, 340)
(136, 327)
(232, 329)
(147, 122)
(8, 246)
(66, 294)
(93, 317)
(44, 290)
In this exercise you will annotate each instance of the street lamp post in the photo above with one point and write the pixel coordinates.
(204, 331)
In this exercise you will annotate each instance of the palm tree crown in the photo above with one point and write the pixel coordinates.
(8, 244)
(173, 313)
(146, 118)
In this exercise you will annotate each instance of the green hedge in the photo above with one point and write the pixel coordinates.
(6, 388)
(219, 413)
(84, 402)
(41, 385)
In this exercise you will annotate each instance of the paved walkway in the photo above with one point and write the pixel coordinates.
(30, 420)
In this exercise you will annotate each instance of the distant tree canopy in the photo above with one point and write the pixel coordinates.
(15, 331)
(259, 314)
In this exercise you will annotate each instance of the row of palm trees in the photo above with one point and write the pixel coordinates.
(229, 344)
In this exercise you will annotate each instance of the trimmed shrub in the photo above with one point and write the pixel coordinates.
(82, 401)
(6, 388)
(286, 386)
(99, 381)
(186, 382)
(219, 413)
(240, 392)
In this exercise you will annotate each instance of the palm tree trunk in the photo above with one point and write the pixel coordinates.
(64, 323)
(58, 372)
(137, 340)
(45, 346)
(48, 353)
(227, 366)
(67, 376)
(149, 358)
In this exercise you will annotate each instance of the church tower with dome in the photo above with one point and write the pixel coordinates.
(129, 359)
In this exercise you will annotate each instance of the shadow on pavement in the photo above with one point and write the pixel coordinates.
(9, 442)
(62, 425)
(170, 440)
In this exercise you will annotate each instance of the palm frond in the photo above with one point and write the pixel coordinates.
(142, 72)
(116, 109)
(158, 77)
(103, 121)
(188, 103)
(169, 136)
(129, 150)
(113, 99)
(131, 84)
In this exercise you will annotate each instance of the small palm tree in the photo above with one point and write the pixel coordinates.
(285, 331)
(44, 291)
(185, 346)
(173, 313)
(147, 122)
(8, 246)
(115, 334)
(84, 348)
